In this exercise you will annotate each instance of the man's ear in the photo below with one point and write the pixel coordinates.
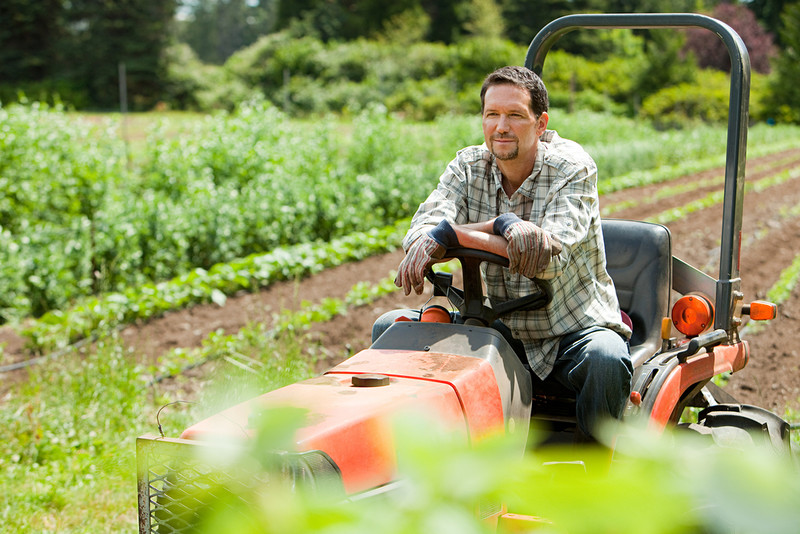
(541, 124)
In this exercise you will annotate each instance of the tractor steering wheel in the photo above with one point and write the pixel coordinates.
(471, 301)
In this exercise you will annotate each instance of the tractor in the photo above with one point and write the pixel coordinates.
(468, 377)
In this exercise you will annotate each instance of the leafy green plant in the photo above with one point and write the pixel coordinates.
(232, 187)
(447, 480)
(100, 314)
(201, 192)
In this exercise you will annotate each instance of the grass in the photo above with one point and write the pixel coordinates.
(68, 432)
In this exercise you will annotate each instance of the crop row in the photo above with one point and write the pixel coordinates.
(231, 186)
(667, 191)
(717, 196)
(285, 323)
(218, 345)
(58, 328)
(86, 215)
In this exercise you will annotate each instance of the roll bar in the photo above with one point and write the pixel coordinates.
(728, 285)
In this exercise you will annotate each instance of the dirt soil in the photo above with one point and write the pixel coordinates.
(770, 241)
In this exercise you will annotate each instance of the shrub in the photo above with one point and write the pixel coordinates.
(193, 85)
(705, 100)
(54, 92)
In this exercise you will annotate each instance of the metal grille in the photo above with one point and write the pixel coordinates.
(176, 484)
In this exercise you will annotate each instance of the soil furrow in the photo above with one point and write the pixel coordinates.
(645, 209)
(772, 377)
(756, 168)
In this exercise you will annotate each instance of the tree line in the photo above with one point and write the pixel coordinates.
(75, 49)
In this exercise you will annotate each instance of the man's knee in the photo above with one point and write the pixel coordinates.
(609, 351)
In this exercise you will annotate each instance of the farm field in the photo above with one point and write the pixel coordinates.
(210, 337)
(771, 243)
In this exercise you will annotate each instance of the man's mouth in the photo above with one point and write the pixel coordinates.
(504, 139)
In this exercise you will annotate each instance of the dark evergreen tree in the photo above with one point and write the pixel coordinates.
(103, 34)
(784, 99)
(29, 39)
(350, 19)
(768, 13)
(215, 29)
(524, 19)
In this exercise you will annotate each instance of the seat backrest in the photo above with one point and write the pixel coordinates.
(639, 260)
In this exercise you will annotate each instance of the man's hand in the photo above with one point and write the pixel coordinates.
(529, 247)
(421, 254)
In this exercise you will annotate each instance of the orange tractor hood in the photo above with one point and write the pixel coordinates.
(350, 409)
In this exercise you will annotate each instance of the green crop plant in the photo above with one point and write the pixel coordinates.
(95, 218)
(99, 314)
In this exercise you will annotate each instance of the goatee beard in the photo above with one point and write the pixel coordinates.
(507, 156)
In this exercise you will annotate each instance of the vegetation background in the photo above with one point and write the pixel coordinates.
(411, 55)
(99, 229)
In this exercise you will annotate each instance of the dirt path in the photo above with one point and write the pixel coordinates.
(770, 240)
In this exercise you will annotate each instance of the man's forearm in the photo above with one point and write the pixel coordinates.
(480, 236)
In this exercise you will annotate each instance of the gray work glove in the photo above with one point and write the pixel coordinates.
(529, 247)
(422, 253)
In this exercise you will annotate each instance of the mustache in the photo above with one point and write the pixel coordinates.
(504, 137)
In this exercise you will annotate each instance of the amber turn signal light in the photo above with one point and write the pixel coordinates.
(692, 314)
(760, 310)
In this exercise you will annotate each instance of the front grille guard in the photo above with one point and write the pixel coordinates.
(178, 480)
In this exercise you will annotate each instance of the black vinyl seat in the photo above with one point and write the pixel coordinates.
(639, 260)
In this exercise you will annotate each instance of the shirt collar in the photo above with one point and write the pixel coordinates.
(528, 187)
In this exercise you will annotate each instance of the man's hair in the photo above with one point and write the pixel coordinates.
(523, 78)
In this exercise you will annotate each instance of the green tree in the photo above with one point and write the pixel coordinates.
(351, 19)
(784, 100)
(29, 33)
(768, 13)
(483, 19)
(340, 19)
(445, 24)
(76, 47)
(408, 27)
(215, 29)
(102, 34)
(524, 19)
(664, 65)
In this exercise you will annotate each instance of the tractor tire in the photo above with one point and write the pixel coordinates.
(742, 426)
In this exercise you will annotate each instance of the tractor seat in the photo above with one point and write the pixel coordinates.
(639, 261)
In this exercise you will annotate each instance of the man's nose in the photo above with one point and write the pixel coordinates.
(502, 123)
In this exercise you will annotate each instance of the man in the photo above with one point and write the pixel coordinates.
(530, 195)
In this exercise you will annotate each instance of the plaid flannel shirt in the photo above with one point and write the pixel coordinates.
(561, 197)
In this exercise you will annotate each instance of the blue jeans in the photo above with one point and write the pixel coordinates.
(594, 363)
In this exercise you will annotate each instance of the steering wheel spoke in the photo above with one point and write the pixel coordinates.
(471, 300)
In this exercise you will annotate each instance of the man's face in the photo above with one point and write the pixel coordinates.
(510, 128)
